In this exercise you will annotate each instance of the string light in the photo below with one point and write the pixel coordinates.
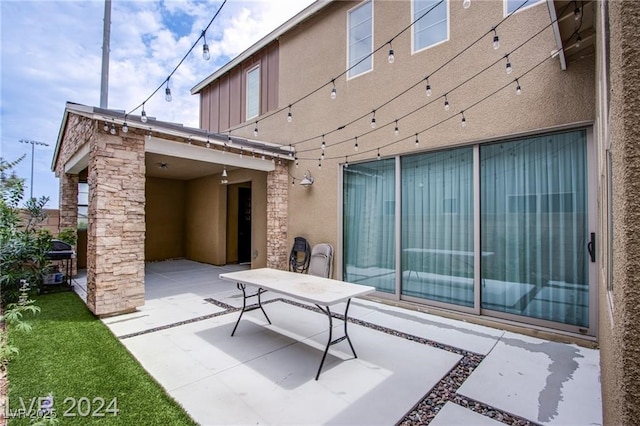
(578, 40)
(417, 141)
(241, 152)
(205, 47)
(346, 162)
(391, 58)
(229, 141)
(577, 13)
(496, 39)
(143, 114)
(255, 130)
(289, 116)
(105, 127)
(355, 147)
(463, 122)
(125, 128)
(208, 143)
(428, 88)
(297, 162)
(509, 69)
(378, 153)
(466, 4)
(373, 120)
(396, 131)
(319, 163)
(113, 130)
(322, 155)
(324, 145)
(334, 92)
(167, 92)
(224, 179)
(446, 103)
(518, 88)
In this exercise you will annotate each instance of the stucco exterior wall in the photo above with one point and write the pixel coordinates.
(550, 97)
(619, 331)
(165, 219)
(205, 226)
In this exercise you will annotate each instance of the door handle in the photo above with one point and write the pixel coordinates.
(591, 247)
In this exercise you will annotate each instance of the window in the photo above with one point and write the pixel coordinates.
(513, 5)
(253, 92)
(360, 39)
(431, 26)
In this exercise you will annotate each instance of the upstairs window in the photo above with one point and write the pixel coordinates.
(431, 25)
(511, 6)
(360, 39)
(253, 92)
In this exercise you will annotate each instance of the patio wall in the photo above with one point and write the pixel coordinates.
(165, 219)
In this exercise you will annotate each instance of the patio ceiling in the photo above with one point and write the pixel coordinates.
(575, 34)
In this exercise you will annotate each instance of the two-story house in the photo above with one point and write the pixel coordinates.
(474, 158)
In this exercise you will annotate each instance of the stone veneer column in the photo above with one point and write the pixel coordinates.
(115, 252)
(277, 217)
(69, 207)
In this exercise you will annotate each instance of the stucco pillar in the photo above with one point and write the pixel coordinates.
(620, 335)
(69, 207)
(277, 217)
(115, 249)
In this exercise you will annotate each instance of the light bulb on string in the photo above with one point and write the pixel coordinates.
(577, 13)
(578, 40)
(125, 128)
(355, 147)
(143, 115)
(105, 127)
(396, 131)
(446, 103)
(428, 88)
(346, 162)
(518, 88)
(255, 130)
(496, 39)
(466, 4)
(167, 92)
(373, 120)
(208, 143)
(322, 155)
(334, 92)
(378, 153)
(297, 162)
(417, 140)
(113, 129)
(391, 58)
(205, 48)
(509, 68)
(324, 145)
(241, 152)
(289, 115)
(319, 163)
(463, 121)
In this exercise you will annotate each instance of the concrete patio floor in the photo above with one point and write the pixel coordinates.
(412, 367)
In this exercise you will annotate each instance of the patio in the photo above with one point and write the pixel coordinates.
(412, 367)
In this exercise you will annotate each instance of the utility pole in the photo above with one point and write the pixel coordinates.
(106, 36)
(33, 144)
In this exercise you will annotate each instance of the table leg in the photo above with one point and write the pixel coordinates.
(246, 308)
(330, 342)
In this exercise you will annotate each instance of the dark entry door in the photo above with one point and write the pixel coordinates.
(244, 225)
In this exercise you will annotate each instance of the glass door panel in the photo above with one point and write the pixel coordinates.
(534, 225)
(437, 226)
(369, 224)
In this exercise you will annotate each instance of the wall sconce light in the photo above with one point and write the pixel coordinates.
(307, 179)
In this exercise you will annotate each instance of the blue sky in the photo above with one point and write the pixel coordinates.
(51, 53)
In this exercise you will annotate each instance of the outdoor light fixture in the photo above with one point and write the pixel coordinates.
(307, 179)
(143, 115)
(224, 179)
(167, 92)
(205, 48)
(391, 57)
(373, 120)
(496, 39)
(334, 92)
(289, 115)
(428, 87)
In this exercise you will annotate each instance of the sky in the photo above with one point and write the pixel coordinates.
(51, 53)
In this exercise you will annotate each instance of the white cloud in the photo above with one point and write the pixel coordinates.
(51, 53)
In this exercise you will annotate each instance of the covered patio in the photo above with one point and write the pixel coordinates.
(412, 367)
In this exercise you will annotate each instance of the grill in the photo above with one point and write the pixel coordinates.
(61, 254)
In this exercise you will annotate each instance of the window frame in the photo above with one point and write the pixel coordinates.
(505, 7)
(414, 50)
(349, 75)
(248, 93)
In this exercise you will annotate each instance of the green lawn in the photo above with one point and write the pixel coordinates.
(73, 356)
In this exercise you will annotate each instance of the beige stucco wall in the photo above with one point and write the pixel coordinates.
(619, 331)
(165, 219)
(551, 97)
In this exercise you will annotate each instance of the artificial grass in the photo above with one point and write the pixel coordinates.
(72, 355)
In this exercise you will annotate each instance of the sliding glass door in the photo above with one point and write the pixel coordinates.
(498, 229)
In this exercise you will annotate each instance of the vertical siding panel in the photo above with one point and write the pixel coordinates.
(224, 102)
(205, 111)
(214, 105)
(264, 81)
(236, 104)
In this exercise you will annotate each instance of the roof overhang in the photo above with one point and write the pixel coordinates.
(169, 133)
(567, 30)
(311, 10)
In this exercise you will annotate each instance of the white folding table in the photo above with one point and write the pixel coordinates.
(322, 292)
